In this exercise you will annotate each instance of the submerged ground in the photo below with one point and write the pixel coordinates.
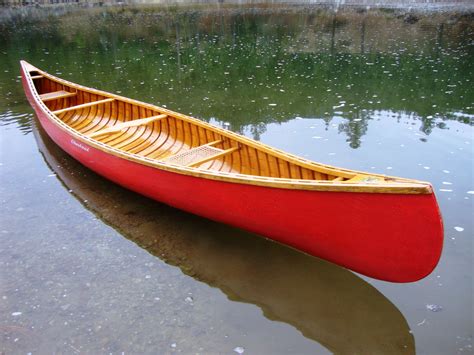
(89, 267)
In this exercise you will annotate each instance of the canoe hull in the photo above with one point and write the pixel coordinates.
(394, 237)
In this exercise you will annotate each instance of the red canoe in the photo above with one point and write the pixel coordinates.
(385, 227)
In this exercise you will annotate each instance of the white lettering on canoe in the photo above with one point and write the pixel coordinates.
(79, 145)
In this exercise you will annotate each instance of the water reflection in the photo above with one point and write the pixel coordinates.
(22, 121)
(251, 67)
(326, 303)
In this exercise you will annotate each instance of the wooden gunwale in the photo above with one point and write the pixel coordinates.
(395, 185)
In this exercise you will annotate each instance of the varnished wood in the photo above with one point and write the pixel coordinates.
(224, 152)
(79, 107)
(113, 124)
(56, 95)
(119, 127)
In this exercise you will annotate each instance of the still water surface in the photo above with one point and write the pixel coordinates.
(89, 267)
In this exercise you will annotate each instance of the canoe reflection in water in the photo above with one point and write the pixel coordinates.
(327, 303)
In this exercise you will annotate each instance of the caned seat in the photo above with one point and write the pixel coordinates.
(199, 155)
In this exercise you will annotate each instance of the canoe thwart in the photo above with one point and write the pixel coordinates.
(55, 95)
(37, 77)
(199, 155)
(78, 107)
(218, 155)
(128, 124)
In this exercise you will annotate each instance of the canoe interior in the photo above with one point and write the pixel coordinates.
(170, 139)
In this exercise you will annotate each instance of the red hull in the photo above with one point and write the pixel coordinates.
(393, 237)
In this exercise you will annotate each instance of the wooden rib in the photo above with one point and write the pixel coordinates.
(162, 150)
(56, 95)
(215, 164)
(78, 107)
(224, 152)
(84, 119)
(194, 135)
(273, 166)
(161, 139)
(139, 145)
(283, 168)
(180, 138)
(187, 134)
(228, 160)
(306, 174)
(128, 124)
(96, 115)
(145, 135)
(103, 122)
(399, 185)
(135, 136)
(90, 116)
(121, 136)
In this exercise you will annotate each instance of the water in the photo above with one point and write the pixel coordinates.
(90, 267)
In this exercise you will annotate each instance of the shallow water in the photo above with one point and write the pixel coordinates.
(89, 267)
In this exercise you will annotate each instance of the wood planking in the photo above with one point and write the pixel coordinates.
(106, 121)
(185, 136)
(124, 109)
(194, 135)
(161, 139)
(391, 184)
(167, 143)
(152, 134)
(145, 147)
(140, 131)
(81, 115)
(89, 113)
(180, 137)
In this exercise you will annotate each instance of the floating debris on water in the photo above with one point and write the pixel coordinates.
(422, 322)
(434, 307)
(239, 350)
(16, 314)
(459, 229)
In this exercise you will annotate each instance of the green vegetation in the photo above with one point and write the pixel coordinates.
(251, 67)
